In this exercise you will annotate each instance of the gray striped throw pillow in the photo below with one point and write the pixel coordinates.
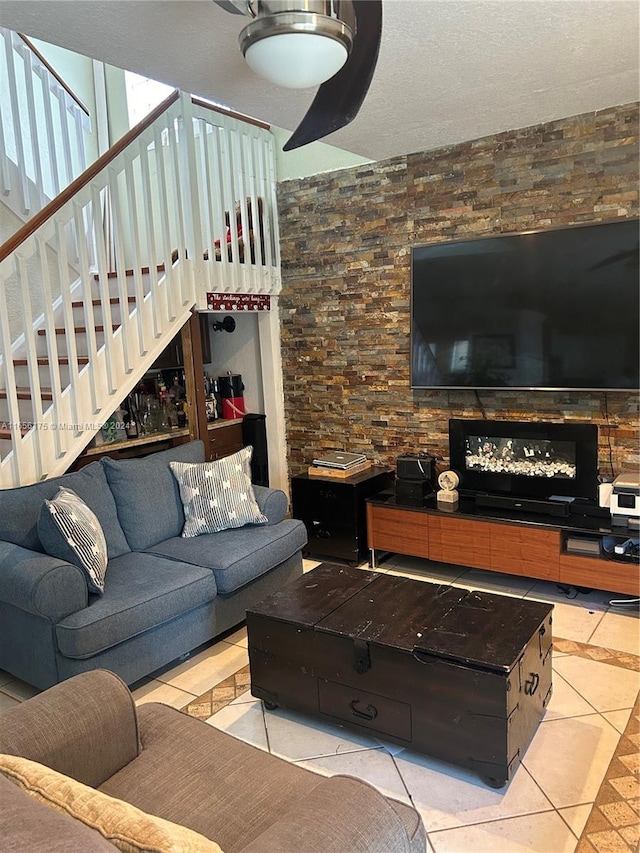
(217, 495)
(75, 536)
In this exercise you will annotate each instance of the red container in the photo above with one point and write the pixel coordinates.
(233, 407)
(231, 396)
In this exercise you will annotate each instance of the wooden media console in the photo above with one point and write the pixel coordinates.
(500, 541)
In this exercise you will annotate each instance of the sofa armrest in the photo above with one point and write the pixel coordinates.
(85, 727)
(43, 585)
(340, 814)
(272, 502)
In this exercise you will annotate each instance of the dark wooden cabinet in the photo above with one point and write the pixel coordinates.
(333, 511)
(225, 438)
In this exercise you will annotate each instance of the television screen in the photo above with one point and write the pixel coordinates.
(555, 309)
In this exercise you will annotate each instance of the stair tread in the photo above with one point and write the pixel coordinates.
(25, 393)
(79, 330)
(143, 270)
(43, 361)
(113, 300)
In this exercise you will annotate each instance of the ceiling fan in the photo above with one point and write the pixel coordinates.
(304, 43)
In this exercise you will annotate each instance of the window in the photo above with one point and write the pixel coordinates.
(143, 94)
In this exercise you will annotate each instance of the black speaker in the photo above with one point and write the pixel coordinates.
(415, 490)
(254, 432)
(416, 466)
(548, 507)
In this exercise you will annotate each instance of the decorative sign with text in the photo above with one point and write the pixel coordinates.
(238, 302)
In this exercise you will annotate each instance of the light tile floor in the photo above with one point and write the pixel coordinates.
(577, 789)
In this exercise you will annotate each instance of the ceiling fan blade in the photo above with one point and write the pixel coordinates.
(236, 7)
(338, 101)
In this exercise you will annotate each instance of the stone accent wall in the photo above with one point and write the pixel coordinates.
(345, 240)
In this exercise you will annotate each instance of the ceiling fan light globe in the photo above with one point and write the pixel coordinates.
(296, 60)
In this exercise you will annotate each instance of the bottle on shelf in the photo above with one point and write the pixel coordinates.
(215, 390)
(177, 392)
(162, 389)
(210, 400)
(132, 421)
(182, 415)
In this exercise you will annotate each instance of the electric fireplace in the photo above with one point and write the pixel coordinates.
(518, 459)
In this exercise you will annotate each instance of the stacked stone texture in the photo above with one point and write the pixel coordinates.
(345, 242)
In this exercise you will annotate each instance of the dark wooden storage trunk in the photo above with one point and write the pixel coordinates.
(461, 675)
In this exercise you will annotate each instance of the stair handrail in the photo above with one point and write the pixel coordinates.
(225, 111)
(82, 180)
(54, 73)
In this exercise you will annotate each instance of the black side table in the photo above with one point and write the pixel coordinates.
(334, 512)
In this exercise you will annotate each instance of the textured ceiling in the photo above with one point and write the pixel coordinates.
(449, 70)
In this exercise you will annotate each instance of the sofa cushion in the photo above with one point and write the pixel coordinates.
(26, 825)
(238, 556)
(217, 495)
(129, 829)
(19, 508)
(70, 530)
(137, 485)
(141, 591)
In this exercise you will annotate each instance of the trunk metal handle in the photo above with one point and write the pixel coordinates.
(369, 713)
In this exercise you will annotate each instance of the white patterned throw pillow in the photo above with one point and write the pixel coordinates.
(217, 495)
(83, 542)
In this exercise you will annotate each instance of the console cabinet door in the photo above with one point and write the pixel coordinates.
(599, 573)
(519, 550)
(398, 530)
(459, 541)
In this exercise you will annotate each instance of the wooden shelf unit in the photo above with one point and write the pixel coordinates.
(509, 544)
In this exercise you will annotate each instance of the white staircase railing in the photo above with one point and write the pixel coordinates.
(43, 129)
(75, 338)
(234, 169)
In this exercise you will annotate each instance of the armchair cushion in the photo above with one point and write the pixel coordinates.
(147, 495)
(193, 774)
(129, 829)
(217, 495)
(70, 530)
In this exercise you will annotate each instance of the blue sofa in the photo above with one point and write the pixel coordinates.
(164, 595)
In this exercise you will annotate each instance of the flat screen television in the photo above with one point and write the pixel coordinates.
(548, 310)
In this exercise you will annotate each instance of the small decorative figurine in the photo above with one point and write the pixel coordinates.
(447, 497)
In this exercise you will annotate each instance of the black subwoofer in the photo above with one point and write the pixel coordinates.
(254, 432)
